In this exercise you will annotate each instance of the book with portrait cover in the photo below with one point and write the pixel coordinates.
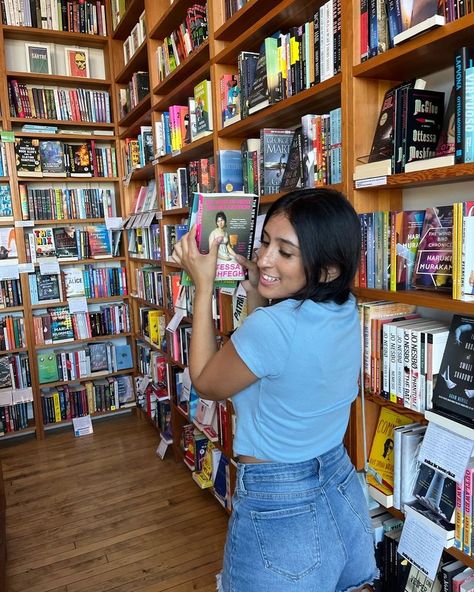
(8, 248)
(231, 217)
(434, 258)
(453, 393)
(381, 458)
(405, 233)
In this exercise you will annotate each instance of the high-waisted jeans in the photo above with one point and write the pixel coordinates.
(301, 527)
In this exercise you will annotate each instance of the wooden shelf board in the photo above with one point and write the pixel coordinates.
(138, 111)
(183, 90)
(418, 298)
(147, 303)
(65, 137)
(250, 12)
(15, 350)
(146, 261)
(193, 62)
(282, 15)
(449, 174)
(176, 212)
(196, 149)
(60, 122)
(323, 96)
(48, 427)
(89, 260)
(18, 433)
(50, 35)
(138, 62)
(270, 198)
(134, 128)
(102, 300)
(143, 173)
(86, 378)
(9, 309)
(87, 340)
(172, 17)
(64, 180)
(7, 223)
(379, 400)
(173, 265)
(422, 55)
(129, 19)
(58, 80)
(68, 221)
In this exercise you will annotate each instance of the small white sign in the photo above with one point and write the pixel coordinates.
(114, 223)
(23, 395)
(370, 182)
(24, 223)
(49, 265)
(82, 425)
(445, 451)
(162, 448)
(229, 290)
(9, 270)
(26, 268)
(77, 304)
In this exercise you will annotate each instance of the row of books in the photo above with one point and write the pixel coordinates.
(149, 284)
(62, 403)
(157, 409)
(172, 233)
(59, 325)
(12, 332)
(65, 203)
(15, 372)
(177, 46)
(68, 242)
(139, 151)
(136, 90)
(144, 238)
(178, 344)
(233, 6)
(3, 161)
(63, 104)
(153, 364)
(426, 249)
(53, 158)
(177, 187)
(86, 281)
(152, 325)
(10, 293)
(83, 362)
(15, 417)
(135, 39)
(145, 198)
(87, 16)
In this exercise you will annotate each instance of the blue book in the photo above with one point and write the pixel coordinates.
(230, 171)
(468, 131)
(123, 356)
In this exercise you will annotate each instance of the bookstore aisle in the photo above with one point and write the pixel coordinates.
(103, 512)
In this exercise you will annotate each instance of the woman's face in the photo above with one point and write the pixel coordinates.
(279, 260)
(220, 222)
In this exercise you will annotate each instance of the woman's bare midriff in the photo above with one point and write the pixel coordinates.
(251, 459)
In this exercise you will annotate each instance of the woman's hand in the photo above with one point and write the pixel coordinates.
(201, 268)
(249, 285)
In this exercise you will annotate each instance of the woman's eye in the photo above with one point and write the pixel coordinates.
(287, 255)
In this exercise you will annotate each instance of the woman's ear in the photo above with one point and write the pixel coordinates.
(330, 273)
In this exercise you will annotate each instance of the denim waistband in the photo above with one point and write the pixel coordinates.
(322, 466)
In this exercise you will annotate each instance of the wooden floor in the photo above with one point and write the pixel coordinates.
(103, 512)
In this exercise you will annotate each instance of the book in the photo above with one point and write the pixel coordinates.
(47, 367)
(464, 91)
(44, 242)
(6, 208)
(99, 241)
(77, 61)
(61, 324)
(454, 389)
(8, 248)
(98, 357)
(230, 171)
(48, 288)
(38, 58)
(293, 173)
(79, 160)
(425, 15)
(27, 157)
(230, 99)
(231, 217)
(405, 233)
(66, 243)
(434, 258)
(275, 146)
(203, 108)
(381, 457)
(52, 158)
(123, 356)
(436, 491)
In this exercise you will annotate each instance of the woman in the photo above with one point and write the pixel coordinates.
(224, 251)
(300, 521)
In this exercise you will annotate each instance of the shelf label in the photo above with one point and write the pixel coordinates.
(7, 136)
(370, 182)
(82, 425)
(9, 270)
(114, 223)
(49, 266)
(26, 268)
(422, 542)
(445, 451)
(24, 223)
(77, 304)
(22, 395)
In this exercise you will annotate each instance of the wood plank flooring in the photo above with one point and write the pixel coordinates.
(103, 512)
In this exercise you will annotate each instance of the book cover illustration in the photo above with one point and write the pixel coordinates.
(454, 388)
(232, 218)
(44, 242)
(61, 324)
(203, 107)
(230, 98)
(77, 61)
(98, 357)
(48, 287)
(8, 243)
(27, 157)
(230, 171)
(74, 282)
(381, 458)
(434, 258)
(99, 241)
(47, 367)
(275, 148)
(38, 59)
(436, 491)
(405, 236)
(293, 173)
(6, 209)
(447, 136)
(79, 160)
(66, 242)
(52, 158)
(5, 374)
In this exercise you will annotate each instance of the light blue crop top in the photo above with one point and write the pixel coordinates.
(307, 359)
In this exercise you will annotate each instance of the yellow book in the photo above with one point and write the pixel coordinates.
(381, 456)
(57, 406)
(153, 325)
(90, 396)
(204, 477)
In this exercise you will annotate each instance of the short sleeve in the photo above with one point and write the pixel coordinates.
(262, 343)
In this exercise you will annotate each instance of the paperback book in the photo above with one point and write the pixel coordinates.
(274, 150)
(27, 157)
(230, 217)
(44, 242)
(66, 243)
(8, 248)
(52, 158)
(6, 209)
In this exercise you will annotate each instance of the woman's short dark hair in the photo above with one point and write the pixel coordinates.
(328, 232)
(221, 215)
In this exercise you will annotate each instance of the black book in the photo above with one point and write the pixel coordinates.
(258, 97)
(48, 287)
(27, 157)
(454, 388)
(52, 158)
(293, 173)
(66, 243)
(436, 492)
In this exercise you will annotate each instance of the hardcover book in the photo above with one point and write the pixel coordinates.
(203, 107)
(8, 243)
(52, 158)
(61, 324)
(73, 282)
(47, 367)
(44, 242)
(5, 374)
(454, 389)
(231, 218)
(99, 241)
(230, 171)
(405, 233)
(66, 243)
(77, 61)
(79, 159)
(38, 59)
(230, 98)
(27, 157)
(293, 173)
(48, 287)
(98, 357)
(419, 16)
(274, 150)
(434, 258)
(6, 209)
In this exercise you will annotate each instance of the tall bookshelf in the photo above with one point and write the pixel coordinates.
(101, 78)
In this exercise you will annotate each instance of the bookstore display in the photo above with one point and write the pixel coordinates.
(134, 121)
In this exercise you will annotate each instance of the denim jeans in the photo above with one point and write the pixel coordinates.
(301, 527)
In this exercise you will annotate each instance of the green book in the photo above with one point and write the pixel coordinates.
(47, 367)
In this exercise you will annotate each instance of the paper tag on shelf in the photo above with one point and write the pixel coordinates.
(422, 542)
(114, 223)
(49, 265)
(77, 304)
(445, 451)
(9, 270)
(162, 448)
(22, 395)
(82, 425)
(7, 136)
(370, 182)
(229, 290)
(24, 223)
(26, 268)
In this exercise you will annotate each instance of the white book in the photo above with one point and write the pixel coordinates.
(436, 20)
(436, 343)
(397, 461)
(410, 444)
(429, 163)
(415, 363)
(368, 170)
(439, 333)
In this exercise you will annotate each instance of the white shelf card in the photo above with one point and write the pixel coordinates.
(370, 182)
(114, 223)
(9, 270)
(422, 542)
(77, 304)
(24, 223)
(82, 425)
(49, 265)
(26, 268)
(162, 448)
(445, 451)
